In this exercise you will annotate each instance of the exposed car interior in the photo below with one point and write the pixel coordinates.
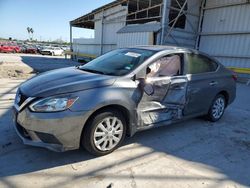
(166, 66)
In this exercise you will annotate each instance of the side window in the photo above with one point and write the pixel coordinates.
(199, 64)
(166, 66)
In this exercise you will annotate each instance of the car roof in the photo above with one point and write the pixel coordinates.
(159, 48)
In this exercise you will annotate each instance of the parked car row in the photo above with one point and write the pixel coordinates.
(8, 47)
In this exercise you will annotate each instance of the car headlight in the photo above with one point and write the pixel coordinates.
(53, 104)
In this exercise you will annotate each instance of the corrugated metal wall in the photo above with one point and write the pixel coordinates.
(88, 46)
(213, 3)
(226, 32)
(114, 20)
(133, 39)
(107, 24)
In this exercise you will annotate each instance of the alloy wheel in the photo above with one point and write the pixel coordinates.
(108, 133)
(218, 108)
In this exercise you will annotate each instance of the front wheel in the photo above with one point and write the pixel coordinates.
(217, 108)
(104, 133)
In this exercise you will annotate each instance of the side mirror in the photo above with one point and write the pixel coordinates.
(146, 87)
(149, 89)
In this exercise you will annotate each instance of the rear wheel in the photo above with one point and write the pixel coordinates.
(104, 133)
(217, 108)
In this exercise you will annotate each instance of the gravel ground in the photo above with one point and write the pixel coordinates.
(195, 153)
(20, 66)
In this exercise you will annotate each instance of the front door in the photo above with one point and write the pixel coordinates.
(168, 99)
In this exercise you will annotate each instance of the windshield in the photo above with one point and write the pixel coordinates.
(118, 62)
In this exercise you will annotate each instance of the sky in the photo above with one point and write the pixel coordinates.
(48, 18)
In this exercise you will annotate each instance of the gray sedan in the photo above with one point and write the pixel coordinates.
(120, 93)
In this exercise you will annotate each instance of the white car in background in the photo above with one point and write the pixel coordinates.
(54, 51)
(66, 48)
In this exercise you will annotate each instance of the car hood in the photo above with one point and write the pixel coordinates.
(66, 80)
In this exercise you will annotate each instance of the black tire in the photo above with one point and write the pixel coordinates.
(211, 116)
(87, 139)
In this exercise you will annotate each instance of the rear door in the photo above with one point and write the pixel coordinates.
(203, 83)
(169, 97)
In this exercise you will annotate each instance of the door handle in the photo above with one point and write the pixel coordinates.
(213, 83)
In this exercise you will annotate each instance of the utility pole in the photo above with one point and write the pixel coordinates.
(102, 32)
(71, 41)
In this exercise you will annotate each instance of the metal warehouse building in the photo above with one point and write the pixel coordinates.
(220, 28)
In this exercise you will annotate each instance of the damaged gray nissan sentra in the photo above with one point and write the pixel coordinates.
(124, 91)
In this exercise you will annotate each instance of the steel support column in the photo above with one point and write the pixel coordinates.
(197, 43)
(164, 19)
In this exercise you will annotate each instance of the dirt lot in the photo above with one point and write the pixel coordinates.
(16, 66)
(195, 153)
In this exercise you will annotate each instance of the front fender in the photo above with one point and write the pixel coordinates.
(98, 98)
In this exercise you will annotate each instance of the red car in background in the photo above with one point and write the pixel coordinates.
(31, 50)
(9, 48)
(5, 49)
(16, 48)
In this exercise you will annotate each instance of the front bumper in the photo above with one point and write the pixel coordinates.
(58, 132)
